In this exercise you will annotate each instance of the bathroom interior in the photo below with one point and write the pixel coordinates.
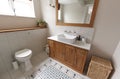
(78, 39)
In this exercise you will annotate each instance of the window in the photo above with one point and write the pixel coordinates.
(5, 8)
(17, 8)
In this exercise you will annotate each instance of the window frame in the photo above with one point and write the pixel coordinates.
(11, 5)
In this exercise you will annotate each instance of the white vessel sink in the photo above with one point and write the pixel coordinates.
(67, 38)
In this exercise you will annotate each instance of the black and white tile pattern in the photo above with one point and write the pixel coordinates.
(52, 69)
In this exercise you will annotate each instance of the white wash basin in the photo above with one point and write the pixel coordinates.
(67, 38)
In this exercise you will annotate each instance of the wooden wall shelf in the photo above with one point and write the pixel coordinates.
(19, 29)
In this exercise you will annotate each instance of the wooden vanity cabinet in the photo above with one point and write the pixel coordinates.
(69, 55)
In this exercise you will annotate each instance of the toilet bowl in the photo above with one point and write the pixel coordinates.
(23, 57)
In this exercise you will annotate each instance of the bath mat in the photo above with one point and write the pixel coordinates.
(51, 73)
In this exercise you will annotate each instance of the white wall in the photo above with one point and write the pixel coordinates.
(107, 28)
(116, 61)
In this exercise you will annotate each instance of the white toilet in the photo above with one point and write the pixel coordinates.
(23, 57)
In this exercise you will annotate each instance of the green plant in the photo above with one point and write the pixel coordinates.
(41, 22)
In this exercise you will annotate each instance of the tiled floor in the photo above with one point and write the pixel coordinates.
(60, 67)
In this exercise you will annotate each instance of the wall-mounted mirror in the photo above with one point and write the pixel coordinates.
(76, 12)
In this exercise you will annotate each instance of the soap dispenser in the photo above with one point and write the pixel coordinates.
(78, 38)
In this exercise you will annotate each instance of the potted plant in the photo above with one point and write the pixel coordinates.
(41, 23)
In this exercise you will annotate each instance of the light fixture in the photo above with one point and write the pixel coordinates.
(52, 3)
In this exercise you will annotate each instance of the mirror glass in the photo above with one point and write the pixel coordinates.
(75, 11)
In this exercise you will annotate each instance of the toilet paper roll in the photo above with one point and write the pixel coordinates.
(47, 48)
(15, 65)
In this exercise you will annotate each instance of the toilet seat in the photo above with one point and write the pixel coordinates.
(23, 53)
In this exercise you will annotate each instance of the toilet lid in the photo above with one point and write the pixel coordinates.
(23, 53)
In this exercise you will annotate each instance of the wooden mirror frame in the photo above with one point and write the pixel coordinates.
(79, 24)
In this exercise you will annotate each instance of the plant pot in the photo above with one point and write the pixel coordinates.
(42, 25)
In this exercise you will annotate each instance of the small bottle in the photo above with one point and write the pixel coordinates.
(84, 40)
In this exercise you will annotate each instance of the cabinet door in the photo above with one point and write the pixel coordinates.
(59, 51)
(70, 55)
(51, 48)
(80, 59)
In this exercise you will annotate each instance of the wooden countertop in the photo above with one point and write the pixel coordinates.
(19, 29)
